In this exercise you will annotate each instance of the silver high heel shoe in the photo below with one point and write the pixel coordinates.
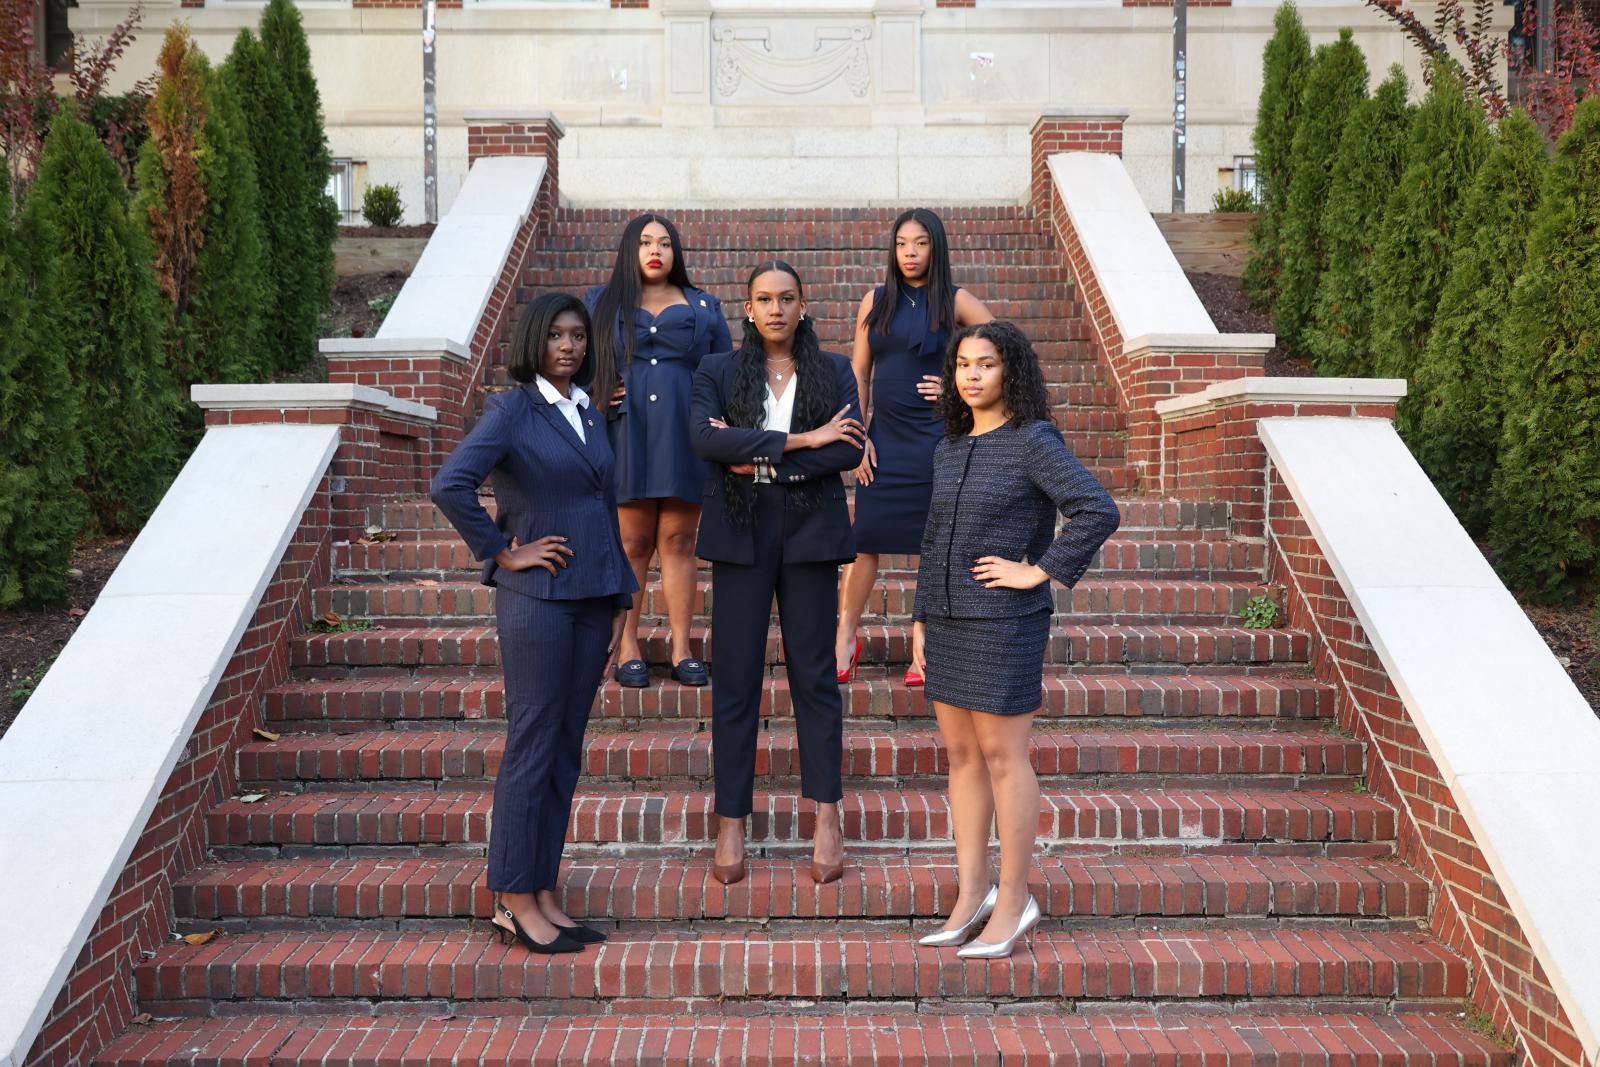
(958, 936)
(982, 950)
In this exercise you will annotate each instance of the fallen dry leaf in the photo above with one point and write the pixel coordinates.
(76, 613)
(332, 618)
(144, 1018)
(426, 581)
(200, 939)
(251, 798)
(266, 735)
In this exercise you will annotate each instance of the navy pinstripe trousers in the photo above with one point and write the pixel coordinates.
(552, 653)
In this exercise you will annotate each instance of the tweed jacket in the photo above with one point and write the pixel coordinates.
(546, 481)
(998, 494)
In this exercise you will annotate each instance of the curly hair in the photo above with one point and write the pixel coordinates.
(612, 338)
(526, 354)
(814, 405)
(1025, 394)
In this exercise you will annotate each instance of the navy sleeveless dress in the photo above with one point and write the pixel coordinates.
(892, 511)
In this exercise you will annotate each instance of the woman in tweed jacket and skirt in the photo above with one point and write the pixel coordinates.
(982, 619)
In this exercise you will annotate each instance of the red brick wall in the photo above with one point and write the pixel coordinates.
(97, 1001)
(1062, 133)
(1218, 455)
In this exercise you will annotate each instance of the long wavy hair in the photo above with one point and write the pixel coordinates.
(526, 354)
(1025, 394)
(619, 301)
(814, 405)
(940, 287)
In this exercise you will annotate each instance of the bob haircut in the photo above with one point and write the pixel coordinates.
(527, 343)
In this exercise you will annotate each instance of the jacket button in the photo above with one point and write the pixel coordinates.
(652, 398)
(652, 329)
(599, 496)
(652, 363)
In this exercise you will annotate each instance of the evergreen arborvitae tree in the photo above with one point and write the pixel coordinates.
(1458, 383)
(1446, 144)
(41, 453)
(1336, 83)
(1545, 504)
(197, 195)
(1339, 336)
(284, 38)
(268, 115)
(1284, 66)
(109, 321)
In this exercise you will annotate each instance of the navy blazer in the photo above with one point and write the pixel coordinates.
(818, 535)
(710, 330)
(546, 481)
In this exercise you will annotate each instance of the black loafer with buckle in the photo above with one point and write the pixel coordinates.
(690, 672)
(635, 674)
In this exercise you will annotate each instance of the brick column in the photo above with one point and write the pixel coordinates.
(526, 133)
(1069, 130)
(385, 444)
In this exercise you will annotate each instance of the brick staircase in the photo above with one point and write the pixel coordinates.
(1218, 884)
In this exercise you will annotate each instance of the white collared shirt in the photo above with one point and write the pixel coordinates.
(777, 414)
(567, 405)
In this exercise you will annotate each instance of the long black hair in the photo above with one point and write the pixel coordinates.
(940, 288)
(526, 354)
(619, 300)
(814, 405)
(1025, 394)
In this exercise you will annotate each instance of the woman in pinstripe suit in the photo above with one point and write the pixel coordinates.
(982, 616)
(563, 591)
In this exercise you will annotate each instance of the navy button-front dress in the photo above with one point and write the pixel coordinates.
(649, 431)
(892, 511)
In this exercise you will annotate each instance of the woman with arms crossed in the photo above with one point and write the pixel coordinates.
(563, 590)
(901, 332)
(1000, 475)
(652, 328)
(778, 420)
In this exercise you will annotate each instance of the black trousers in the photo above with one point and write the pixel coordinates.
(552, 653)
(808, 611)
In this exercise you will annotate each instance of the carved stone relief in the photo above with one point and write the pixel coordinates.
(838, 55)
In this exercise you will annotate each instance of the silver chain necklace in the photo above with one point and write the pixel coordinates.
(775, 374)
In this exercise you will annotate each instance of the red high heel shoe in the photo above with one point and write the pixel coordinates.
(849, 673)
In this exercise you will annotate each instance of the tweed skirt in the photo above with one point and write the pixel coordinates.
(990, 665)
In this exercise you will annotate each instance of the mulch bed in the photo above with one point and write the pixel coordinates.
(424, 229)
(30, 640)
(1573, 634)
(1225, 301)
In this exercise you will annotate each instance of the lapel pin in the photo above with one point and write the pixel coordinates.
(702, 303)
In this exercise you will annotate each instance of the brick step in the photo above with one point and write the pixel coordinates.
(1129, 647)
(653, 890)
(1171, 517)
(682, 817)
(1246, 1038)
(726, 281)
(432, 699)
(1092, 601)
(849, 244)
(1133, 557)
(1290, 759)
(451, 967)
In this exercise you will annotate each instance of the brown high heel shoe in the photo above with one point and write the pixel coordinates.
(728, 873)
(823, 873)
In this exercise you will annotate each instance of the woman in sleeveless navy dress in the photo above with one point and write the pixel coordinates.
(902, 329)
(651, 330)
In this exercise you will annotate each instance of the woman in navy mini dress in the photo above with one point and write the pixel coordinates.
(901, 332)
(651, 329)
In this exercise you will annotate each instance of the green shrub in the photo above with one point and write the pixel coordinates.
(1233, 201)
(1339, 337)
(1545, 518)
(1336, 83)
(288, 333)
(198, 197)
(284, 39)
(1445, 145)
(41, 454)
(1285, 63)
(109, 321)
(380, 205)
(1458, 382)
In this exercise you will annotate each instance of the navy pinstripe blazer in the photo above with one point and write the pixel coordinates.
(546, 481)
